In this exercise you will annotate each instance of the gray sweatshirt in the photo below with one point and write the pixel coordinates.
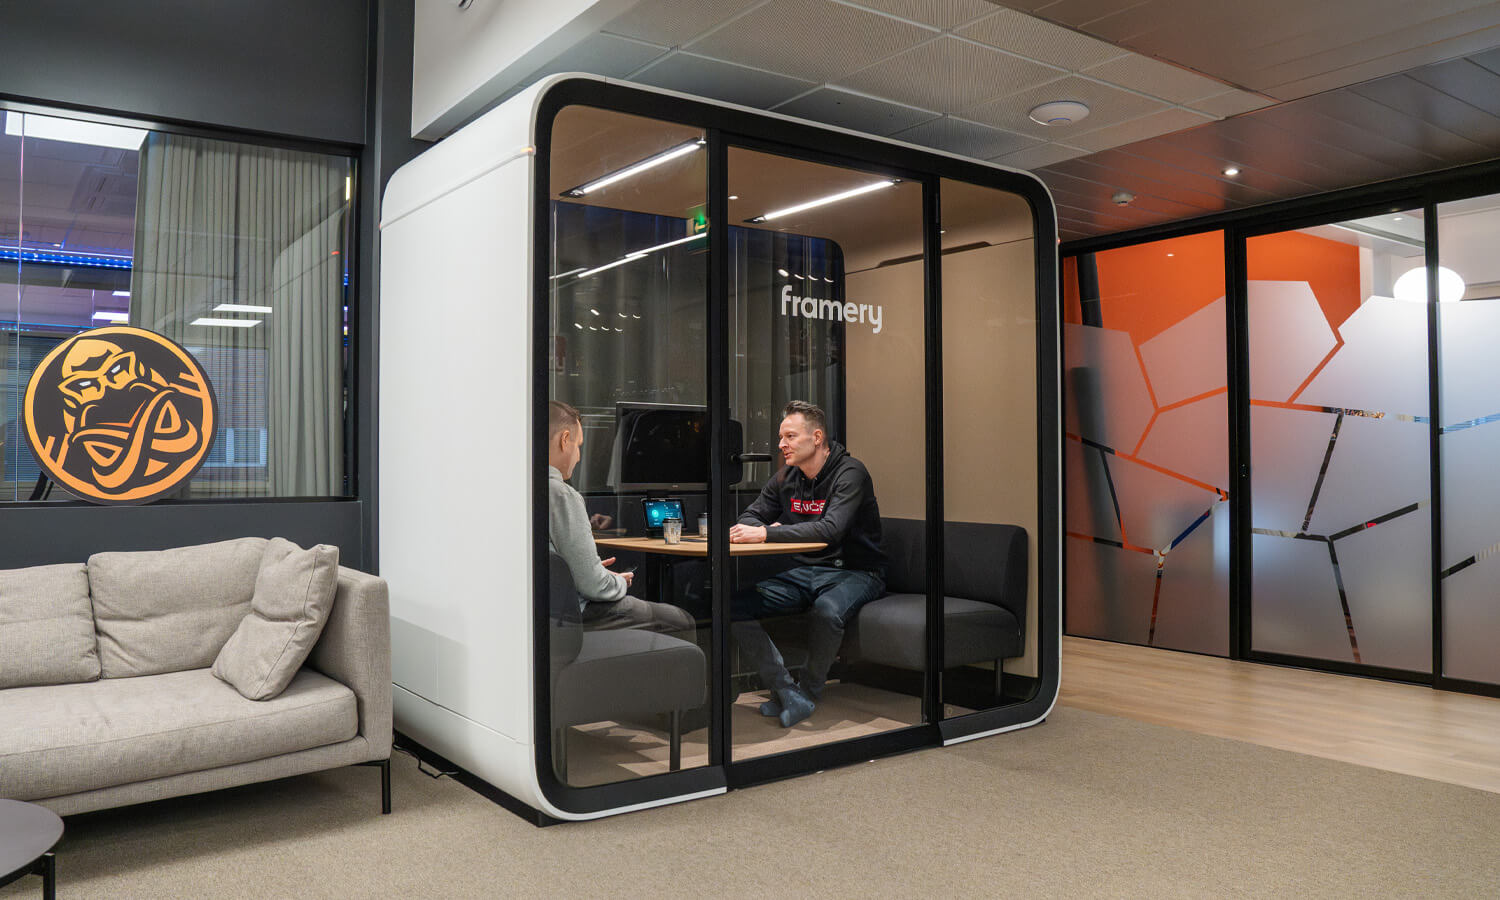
(572, 538)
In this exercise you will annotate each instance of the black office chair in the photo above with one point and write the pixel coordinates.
(600, 676)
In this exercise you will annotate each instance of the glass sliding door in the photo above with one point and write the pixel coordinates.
(827, 340)
(628, 447)
(1339, 445)
(1146, 455)
(1468, 333)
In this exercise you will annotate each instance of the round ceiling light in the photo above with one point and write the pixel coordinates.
(1412, 286)
(1059, 112)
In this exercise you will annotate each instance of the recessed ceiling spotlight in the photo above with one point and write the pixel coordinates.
(1058, 112)
(1395, 218)
(1231, 171)
(734, 196)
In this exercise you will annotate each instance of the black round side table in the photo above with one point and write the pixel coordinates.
(27, 835)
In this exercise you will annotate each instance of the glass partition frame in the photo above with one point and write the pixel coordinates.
(725, 127)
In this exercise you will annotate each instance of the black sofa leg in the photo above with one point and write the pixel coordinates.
(385, 783)
(674, 738)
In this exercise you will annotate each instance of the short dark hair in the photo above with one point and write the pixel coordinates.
(809, 411)
(561, 416)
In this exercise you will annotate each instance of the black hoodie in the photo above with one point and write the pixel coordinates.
(837, 508)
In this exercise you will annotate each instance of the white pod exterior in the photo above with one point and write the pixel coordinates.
(458, 449)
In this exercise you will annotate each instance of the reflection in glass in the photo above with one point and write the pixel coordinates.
(1338, 386)
(628, 447)
(989, 446)
(1146, 420)
(826, 307)
(232, 250)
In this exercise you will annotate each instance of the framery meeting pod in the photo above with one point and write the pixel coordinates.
(678, 270)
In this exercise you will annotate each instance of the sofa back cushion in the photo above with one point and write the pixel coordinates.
(293, 595)
(170, 610)
(46, 626)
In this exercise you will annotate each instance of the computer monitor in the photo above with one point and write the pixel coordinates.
(661, 447)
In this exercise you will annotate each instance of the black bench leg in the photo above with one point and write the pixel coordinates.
(385, 783)
(674, 738)
(999, 676)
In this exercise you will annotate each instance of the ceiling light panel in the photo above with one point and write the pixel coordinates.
(1040, 40)
(937, 13)
(1107, 106)
(674, 22)
(1159, 79)
(950, 75)
(847, 109)
(817, 40)
(719, 80)
(966, 138)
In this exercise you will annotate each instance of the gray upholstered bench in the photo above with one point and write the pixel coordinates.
(600, 676)
(984, 603)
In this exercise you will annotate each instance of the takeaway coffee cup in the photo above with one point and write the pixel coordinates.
(703, 525)
(671, 530)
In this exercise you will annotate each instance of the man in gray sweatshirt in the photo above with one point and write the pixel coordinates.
(602, 601)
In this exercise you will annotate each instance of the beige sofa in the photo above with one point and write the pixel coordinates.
(107, 697)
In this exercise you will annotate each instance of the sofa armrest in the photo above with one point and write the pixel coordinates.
(355, 650)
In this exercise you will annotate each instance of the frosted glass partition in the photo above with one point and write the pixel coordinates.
(1146, 455)
(1339, 459)
(1468, 333)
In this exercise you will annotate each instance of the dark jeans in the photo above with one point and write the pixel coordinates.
(832, 595)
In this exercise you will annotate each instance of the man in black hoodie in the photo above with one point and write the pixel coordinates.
(823, 495)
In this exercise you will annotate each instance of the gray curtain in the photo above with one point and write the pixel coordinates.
(219, 222)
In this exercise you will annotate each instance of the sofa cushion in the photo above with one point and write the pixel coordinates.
(77, 737)
(171, 610)
(293, 594)
(46, 626)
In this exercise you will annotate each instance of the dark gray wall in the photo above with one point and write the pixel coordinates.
(390, 146)
(312, 69)
(59, 534)
(285, 67)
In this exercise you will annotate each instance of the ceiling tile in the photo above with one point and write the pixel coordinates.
(1107, 106)
(938, 13)
(1154, 77)
(847, 109)
(1132, 130)
(949, 74)
(672, 22)
(1039, 40)
(813, 39)
(965, 138)
(1038, 156)
(1231, 103)
(602, 54)
(720, 80)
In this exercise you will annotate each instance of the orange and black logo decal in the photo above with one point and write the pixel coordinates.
(119, 415)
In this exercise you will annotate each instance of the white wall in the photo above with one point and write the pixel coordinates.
(465, 60)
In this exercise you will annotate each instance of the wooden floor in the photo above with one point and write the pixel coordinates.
(1398, 727)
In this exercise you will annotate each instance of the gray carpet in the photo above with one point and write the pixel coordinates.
(1085, 805)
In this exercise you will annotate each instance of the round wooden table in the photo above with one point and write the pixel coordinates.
(27, 835)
